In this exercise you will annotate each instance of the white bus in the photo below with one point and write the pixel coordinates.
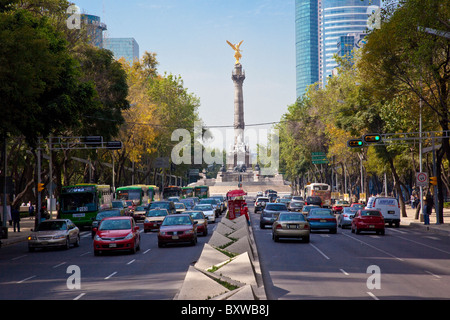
(321, 190)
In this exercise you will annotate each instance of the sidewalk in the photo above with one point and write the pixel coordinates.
(26, 224)
(443, 229)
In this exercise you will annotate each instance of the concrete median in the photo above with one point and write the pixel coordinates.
(228, 267)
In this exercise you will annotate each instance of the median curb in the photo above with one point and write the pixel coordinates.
(228, 267)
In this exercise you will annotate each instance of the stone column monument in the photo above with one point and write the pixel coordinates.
(239, 153)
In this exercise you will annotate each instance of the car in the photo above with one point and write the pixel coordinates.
(176, 229)
(121, 205)
(169, 205)
(357, 206)
(207, 210)
(261, 203)
(345, 218)
(291, 225)
(101, 215)
(54, 233)
(322, 218)
(189, 203)
(313, 200)
(307, 208)
(368, 220)
(284, 200)
(297, 198)
(154, 218)
(339, 205)
(215, 204)
(220, 201)
(140, 212)
(270, 213)
(117, 234)
(202, 221)
(296, 206)
(180, 207)
(389, 208)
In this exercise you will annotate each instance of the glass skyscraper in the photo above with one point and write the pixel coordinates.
(320, 24)
(306, 43)
(127, 48)
(340, 18)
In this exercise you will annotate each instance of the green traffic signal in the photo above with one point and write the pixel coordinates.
(355, 143)
(372, 138)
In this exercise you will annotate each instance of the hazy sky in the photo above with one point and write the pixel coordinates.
(189, 37)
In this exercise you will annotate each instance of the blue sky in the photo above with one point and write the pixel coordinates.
(189, 37)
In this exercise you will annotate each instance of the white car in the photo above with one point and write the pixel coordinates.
(389, 208)
(207, 210)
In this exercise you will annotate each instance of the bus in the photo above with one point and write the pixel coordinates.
(137, 193)
(153, 193)
(187, 192)
(171, 191)
(201, 191)
(321, 190)
(81, 203)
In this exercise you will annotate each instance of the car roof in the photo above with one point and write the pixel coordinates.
(119, 218)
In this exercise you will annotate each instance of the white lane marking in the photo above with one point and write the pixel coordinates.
(373, 296)
(112, 274)
(373, 247)
(344, 272)
(59, 265)
(130, 262)
(318, 250)
(19, 257)
(432, 274)
(26, 279)
(79, 296)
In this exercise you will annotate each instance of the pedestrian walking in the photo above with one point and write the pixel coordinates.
(15, 213)
(428, 207)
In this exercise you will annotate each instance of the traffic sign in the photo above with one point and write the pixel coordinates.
(319, 158)
(422, 179)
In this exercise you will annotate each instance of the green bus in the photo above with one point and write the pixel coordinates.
(187, 192)
(136, 193)
(171, 191)
(201, 191)
(81, 203)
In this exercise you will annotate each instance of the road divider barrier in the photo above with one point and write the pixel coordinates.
(228, 267)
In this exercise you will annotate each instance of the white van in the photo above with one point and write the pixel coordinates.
(389, 208)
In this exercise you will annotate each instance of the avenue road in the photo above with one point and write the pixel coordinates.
(405, 263)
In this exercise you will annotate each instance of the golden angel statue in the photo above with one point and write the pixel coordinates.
(237, 51)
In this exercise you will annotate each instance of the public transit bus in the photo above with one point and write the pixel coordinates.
(187, 192)
(81, 203)
(321, 190)
(201, 191)
(137, 193)
(171, 191)
(153, 193)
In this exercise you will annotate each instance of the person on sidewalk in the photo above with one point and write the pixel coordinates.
(428, 207)
(16, 218)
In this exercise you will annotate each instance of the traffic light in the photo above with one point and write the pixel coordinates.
(40, 187)
(372, 138)
(355, 143)
(433, 181)
(114, 145)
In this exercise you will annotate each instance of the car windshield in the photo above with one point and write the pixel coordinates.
(52, 226)
(117, 204)
(291, 217)
(276, 207)
(263, 200)
(196, 215)
(365, 213)
(320, 212)
(155, 205)
(349, 210)
(105, 214)
(157, 213)
(203, 207)
(140, 208)
(176, 220)
(296, 204)
(179, 206)
(119, 224)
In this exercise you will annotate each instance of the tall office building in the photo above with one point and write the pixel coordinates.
(320, 24)
(127, 48)
(94, 29)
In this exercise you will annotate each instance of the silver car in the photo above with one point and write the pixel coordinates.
(346, 216)
(54, 233)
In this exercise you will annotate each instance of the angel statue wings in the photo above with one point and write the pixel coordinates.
(237, 51)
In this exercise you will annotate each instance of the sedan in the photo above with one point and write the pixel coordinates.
(154, 218)
(140, 212)
(321, 218)
(339, 205)
(368, 220)
(207, 210)
(117, 233)
(290, 225)
(102, 215)
(296, 206)
(54, 233)
(202, 221)
(346, 217)
(270, 213)
(177, 228)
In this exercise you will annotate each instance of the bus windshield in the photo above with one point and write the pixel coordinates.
(74, 201)
(129, 194)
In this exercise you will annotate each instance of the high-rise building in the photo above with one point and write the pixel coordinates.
(94, 28)
(320, 24)
(127, 48)
(307, 43)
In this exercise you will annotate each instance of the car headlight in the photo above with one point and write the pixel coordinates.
(146, 220)
(32, 237)
(97, 238)
(162, 233)
(129, 236)
(189, 231)
(59, 236)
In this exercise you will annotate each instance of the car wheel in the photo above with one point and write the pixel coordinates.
(77, 243)
(261, 226)
(275, 238)
(305, 239)
(67, 245)
(353, 230)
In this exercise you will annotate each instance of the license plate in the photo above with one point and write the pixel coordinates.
(323, 220)
(175, 237)
(292, 226)
(113, 245)
(371, 226)
(78, 215)
(391, 212)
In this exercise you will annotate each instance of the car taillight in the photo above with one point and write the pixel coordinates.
(306, 226)
(279, 226)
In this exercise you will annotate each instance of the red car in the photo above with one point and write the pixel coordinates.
(177, 228)
(117, 233)
(368, 220)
